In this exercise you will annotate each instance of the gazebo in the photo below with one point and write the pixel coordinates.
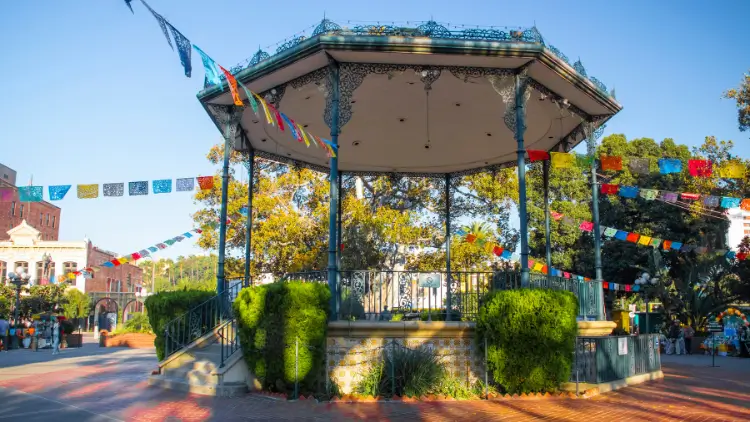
(426, 101)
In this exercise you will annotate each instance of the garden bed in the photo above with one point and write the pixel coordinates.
(132, 340)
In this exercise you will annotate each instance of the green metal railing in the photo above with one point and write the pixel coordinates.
(374, 294)
(605, 359)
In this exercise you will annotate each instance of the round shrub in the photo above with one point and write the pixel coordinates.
(530, 337)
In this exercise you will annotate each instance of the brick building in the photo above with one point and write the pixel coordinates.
(27, 249)
(42, 216)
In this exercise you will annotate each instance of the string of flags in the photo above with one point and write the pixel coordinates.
(711, 201)
(644, 240)
(92, 191)
(135, 256)
(537, 265)
(213, 71)
(733, 169)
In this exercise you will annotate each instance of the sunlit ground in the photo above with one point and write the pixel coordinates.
(96, 384)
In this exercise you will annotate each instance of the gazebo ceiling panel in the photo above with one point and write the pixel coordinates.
(388, 131)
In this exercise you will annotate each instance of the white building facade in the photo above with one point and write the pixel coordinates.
(739, 227)
(25, 249)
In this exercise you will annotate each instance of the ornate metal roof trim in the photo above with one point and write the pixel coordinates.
(429, 29)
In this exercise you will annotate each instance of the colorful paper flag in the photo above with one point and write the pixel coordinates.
(556, 215)
(537, 155)
(632, 237)
(676, 246)
(640, 165)
(205, 182)
(471, 238)
(113, 189)
(497, 250)
(185, 184)
(584, 161)
(611, 162)
(667, 245)
(162, 186)
(88, 191)
(212, 72)
(538, 266)
(586, 226)
(669, 196)
(655, 242)
(122, 260)
(690, 196)
(711, 201)
(745, 205)
(700, 168)
(30, 193)
(232, 87)
(562, 160)
(138, 188)
(670, 165)
(183, 49)
(621, 235)
(609, 189)
(644, 240)
(610, 232)
(629, 191)
(507, 254)
(732, 170)
(57, 193)
(649, 194)
(250, 98)
(729, 202)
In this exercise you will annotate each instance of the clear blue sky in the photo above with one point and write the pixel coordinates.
(92, 94)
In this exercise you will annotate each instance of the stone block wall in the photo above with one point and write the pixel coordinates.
(353, 346)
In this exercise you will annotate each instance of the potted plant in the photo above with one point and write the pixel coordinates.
(69, 338)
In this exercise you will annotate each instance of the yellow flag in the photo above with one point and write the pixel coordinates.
(122, 260)
(538, 266)
(269, 120)
(562, 160)
(304, 135)
(88, 191)
(732, 170)
(644, 240)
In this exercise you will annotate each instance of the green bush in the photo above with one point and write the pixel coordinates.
(163, 307)
(138, 323)
(530, 336)
(411, 372)
(271, 318)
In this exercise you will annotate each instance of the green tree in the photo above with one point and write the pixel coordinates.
(741, 95)
(76, 305)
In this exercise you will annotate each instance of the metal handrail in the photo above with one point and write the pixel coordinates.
(200, 320)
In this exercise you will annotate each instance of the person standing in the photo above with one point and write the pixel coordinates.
(688, 333)
(4, 326)
(56, 337)
(674, 334)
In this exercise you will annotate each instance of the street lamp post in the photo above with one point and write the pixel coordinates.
(643, 280)
(18, 278)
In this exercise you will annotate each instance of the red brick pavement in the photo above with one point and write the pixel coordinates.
(688, 392)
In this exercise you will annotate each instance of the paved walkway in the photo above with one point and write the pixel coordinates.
(93, 384)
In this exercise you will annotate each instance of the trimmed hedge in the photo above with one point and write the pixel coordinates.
(163, 307)
(530, 336)
(270, 318)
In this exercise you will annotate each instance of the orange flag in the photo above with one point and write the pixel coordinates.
(232, 87)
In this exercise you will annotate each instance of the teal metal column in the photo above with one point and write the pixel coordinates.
(249, 222)
(220, 279)
(595, 216)
(547, 238)
(449, 294)
(520, 104)
(339, 243)
(334, 193)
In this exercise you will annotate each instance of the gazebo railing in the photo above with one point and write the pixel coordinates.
(412, 295)
(610, 358)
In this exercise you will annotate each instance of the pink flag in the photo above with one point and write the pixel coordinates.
(586, 226)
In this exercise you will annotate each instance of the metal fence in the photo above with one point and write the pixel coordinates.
(605, 359)
(376, 295)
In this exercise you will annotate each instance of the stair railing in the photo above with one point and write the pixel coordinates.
(200, 320)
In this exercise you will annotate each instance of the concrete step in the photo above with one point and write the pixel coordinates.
(194, 386)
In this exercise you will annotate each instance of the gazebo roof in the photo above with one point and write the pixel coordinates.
(424, 100)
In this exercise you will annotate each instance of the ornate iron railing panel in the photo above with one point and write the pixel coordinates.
(379, 295)
(427, 29)
(200, 320)
(610, 358)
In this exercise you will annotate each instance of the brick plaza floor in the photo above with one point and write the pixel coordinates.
(93, 384)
